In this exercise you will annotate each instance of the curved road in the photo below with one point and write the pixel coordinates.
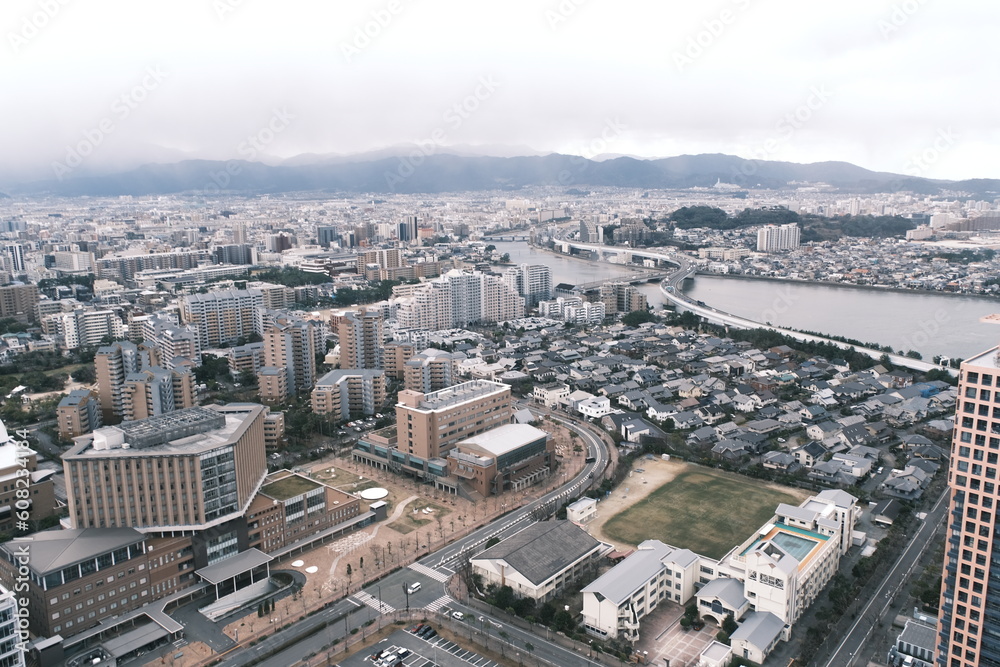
(431, 571)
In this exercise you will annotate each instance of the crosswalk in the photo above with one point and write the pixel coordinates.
(442, 601)
(373, 602)
(428, 572)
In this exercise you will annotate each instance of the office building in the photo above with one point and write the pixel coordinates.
(531, 281)
(459, 298)
(621, 298)
(18, 302)
(775, 238)
(14, 255)
(429, 423)
(362, 340)
(125, 268)
(74, 263)
(349, 392)
(289, 351)
(240, 232)
(510, 457)
(78, 412)
(431, 370)
(969, 625)
(212, 456)
(381, 258)
(290, 507)
(326, 236)
(407, 230)
(223, 317)
(235, 253)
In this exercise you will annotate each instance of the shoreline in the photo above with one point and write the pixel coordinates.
(869, 288)
(821, 283)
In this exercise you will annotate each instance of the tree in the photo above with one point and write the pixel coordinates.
(85, 375)
(530, 648)
(505, 258)
(729, 625)
(637, 317)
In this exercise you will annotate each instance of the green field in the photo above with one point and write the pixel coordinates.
(704, 510)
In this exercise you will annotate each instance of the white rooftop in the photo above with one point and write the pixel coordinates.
(503, 439)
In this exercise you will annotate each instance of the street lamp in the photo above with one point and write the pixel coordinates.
(381, 607)
(406, 591)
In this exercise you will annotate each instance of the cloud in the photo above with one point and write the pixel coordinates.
(232, 64)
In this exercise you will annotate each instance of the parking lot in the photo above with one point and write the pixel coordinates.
(432, 652)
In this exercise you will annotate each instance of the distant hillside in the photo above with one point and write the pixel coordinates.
(458, 173)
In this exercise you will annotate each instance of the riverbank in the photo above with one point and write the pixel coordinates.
(716, 316)
(869, 288)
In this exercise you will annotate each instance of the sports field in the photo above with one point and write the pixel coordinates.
(707, 511)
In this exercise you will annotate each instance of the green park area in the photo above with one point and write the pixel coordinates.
(704, 510)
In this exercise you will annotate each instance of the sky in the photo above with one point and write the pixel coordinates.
(905, 86)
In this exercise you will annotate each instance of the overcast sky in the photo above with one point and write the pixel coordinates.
(902, 86)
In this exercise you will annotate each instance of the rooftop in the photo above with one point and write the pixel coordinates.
(460, 393)
(543, 550)
(618, 583)
(288, 486)
(503, 439)
(188, 431)
(338, 376)
(53, 550)
(987, 359)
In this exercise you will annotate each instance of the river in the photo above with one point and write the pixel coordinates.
(931, 324)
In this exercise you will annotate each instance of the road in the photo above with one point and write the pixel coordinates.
(431, 572)
(847, 651)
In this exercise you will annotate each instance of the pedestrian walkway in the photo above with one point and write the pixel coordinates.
(442, 601)
(374, 603)
(429, 572)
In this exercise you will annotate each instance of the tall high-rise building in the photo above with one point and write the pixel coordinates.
(362, 341)
(279, 242)
(239, 232)
(349, 392)
(224, 316)
(78, 413)
(114, 363)
(459, 298)
(326, 236)
(622, 298)
(174, 345)
(397, 353)
(157, 391)
(289, 352)
(236, 253)
(969, 626)
(83, 327)
(407, 232)
(18, 302)
(774, 238)
(15, 258)
(431, 370)
(532, 281)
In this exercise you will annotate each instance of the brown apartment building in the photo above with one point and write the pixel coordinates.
(362, 343)
(969, 625)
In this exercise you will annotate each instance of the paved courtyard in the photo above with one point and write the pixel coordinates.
(663, 637)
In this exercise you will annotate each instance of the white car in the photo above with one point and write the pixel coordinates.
(457, 615)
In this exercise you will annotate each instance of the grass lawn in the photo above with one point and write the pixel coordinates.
(410, 521)
(704, 510)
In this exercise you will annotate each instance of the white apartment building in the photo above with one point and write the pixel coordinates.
(224, 316)
(459, 298)
(532, 281)
(573, 309)
(82, 328)
(774, 238)
(11, 653)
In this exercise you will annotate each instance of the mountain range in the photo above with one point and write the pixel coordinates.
(411, 171)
